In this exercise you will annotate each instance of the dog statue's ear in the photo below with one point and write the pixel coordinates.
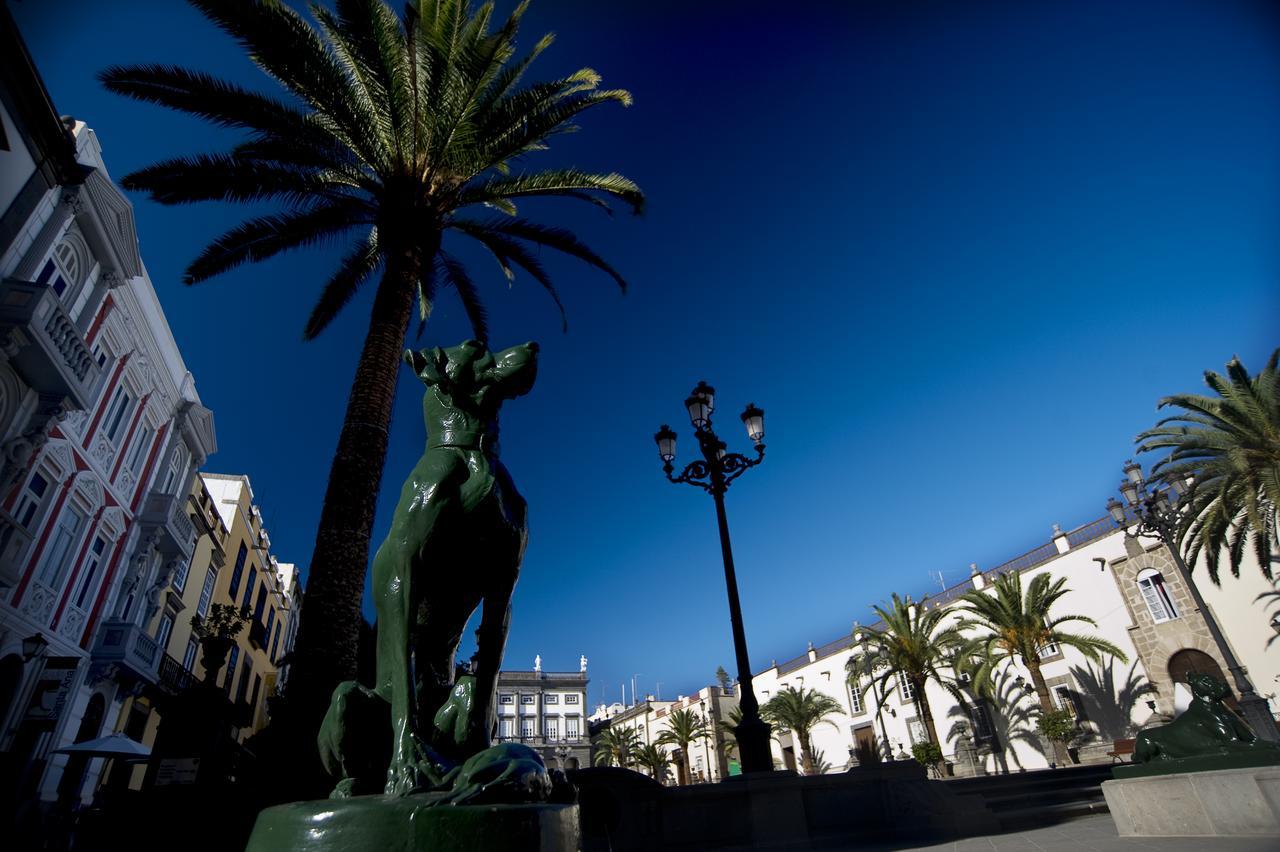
(426, 363)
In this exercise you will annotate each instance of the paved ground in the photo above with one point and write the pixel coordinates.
(1093, 834)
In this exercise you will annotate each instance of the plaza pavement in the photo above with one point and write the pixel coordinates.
(1091, 834)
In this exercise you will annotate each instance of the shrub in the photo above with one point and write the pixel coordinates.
(928, 754)
(1058, 726)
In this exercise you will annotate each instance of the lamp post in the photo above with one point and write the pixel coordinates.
(713, 473)
(706, 752)
(1156, 511)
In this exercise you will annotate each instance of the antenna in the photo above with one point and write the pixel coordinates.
(937, 575)
(658, 690)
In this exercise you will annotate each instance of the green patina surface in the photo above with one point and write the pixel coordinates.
(404, 823)
(1208, 736)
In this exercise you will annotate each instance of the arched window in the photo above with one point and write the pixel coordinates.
(1156, 594)
(68, 260)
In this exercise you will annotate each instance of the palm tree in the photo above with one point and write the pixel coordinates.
(653, 759)
(1013, 625)
(395, 131)
(800, 710)
(684, 727)
(1228, 447)
(616, 745)
(910, 648)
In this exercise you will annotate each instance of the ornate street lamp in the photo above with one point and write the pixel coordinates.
(870, 662)
(1154, 510)
(713, 473)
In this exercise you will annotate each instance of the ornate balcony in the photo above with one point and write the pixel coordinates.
(166, 514)
(47, 348)
(174, 677)
(128, 646)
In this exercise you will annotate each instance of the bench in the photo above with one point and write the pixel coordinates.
(1120, 749)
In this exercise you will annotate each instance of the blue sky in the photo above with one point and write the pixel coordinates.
(955, 251)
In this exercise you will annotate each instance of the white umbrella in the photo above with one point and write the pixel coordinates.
(112, 745)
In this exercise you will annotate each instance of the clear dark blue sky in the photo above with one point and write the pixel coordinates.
(956, 251)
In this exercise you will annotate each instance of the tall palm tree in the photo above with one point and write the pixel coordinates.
(1013, 625)
(401, 134)
(800, 710)
(908, 648)
(655, 760)
(684, 727)
(616, 746)
(1229, 448)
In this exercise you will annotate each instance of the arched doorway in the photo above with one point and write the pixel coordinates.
(1189, 661)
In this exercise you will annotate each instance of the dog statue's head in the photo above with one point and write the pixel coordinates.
(1207, 686)
(472, 376)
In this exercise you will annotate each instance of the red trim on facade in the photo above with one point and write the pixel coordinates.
(76, 568)
(107, 579)
(104, 401)
(107, 304)
(44, 539)
(124, 447)
(145, 479)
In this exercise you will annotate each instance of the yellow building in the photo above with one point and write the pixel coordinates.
(231, 563)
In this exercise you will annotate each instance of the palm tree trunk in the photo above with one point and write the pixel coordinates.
(926, 716)
(1046, 705)
(806, 752)
(325, 652)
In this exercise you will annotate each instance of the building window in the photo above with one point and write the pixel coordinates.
(275, 645)
(52, 276)
(571, 729)
(237, 572)
(526, 699)
(68, 260)
(506, 729)
(506, 698)
(232, 659)
(527, 727)
(180, 577)
(243, 689)
(100, 354)
(905, 688)
(855, 696)
(91, 570)
(261, 603)
(981, 722)
(257, 687)
(1065, 699)
(248, 589)
(117, 414)
(29, 502)
(60, 552)
(136, 455)
(271, 620)
(177, 465)
(206, 592)
(571, 699)
(163, 631)
(551, 699)
(552, 725)
(189, 658)
(1156, 594)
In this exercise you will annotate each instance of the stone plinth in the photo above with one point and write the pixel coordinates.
(1223, 803)
(411, 823)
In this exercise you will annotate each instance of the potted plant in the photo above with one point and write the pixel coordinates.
(217, 632)
(1059, 728)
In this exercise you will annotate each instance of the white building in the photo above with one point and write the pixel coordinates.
(711, 758)
(547, 711)
(101, 430)
(1129, 587)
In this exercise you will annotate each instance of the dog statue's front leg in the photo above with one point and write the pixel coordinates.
(393, 586)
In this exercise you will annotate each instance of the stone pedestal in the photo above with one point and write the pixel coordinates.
(1223, 803)
(411, 823)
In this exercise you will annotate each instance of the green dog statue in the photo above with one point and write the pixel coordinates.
(1208, 727)
(455, 544)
